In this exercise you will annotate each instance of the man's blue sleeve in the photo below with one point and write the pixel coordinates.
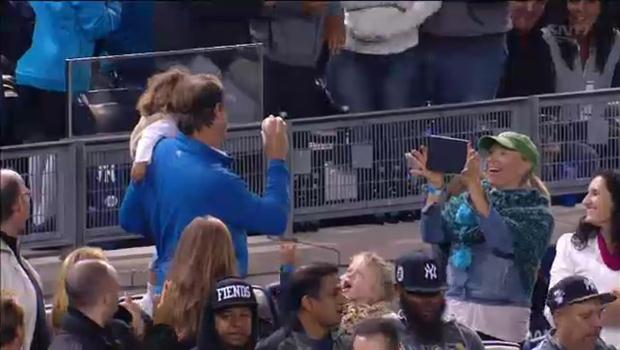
(267, 214)
(131, 215)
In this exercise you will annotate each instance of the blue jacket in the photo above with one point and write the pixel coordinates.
(135, 31)
(65, 29)
(187, 179)
(504, 259)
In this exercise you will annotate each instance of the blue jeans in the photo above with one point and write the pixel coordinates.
(463, 69)
(376, 82)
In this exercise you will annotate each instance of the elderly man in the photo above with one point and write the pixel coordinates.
(577, 307)
(16, 274)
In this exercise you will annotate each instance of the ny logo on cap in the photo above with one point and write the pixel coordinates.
(430, 271)
(589, 285)
(400, 274)
(558, 296)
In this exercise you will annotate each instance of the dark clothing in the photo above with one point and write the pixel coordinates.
(455, 336)
(219, 23)
(41, 337)
(78, 332)
(528, 69)
(288, 339)
(292, 89)
(16, 30)
(42, 115)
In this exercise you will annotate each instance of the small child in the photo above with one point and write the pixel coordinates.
(11, 323)
(156, 120)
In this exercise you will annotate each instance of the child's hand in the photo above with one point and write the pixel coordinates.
(288, 253)
(138, 171)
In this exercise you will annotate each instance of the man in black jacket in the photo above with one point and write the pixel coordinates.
(93, 288)
(314, 309)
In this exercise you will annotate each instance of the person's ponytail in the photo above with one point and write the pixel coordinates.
(538, 184)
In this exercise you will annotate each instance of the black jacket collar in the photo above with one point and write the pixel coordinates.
(75, 322)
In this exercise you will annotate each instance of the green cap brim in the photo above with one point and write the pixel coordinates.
(486, 142)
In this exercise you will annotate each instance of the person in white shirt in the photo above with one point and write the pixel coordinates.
(379, 66)
(593, 251)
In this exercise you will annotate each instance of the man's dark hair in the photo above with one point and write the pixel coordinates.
(307, 281)
(86, 282)
(9, 195)
(194, 101)
(11, 319)
(380, 326)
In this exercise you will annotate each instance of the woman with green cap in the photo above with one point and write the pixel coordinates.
(497, 231)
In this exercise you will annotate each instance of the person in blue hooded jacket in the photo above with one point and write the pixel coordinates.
(63, 30)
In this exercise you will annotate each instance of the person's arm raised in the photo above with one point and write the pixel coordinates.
(432, 226)
(240, 207)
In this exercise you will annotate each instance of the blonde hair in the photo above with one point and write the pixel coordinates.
(537, 183)
(385, 273)
(160, 89)
(205, 254)
(61, 301)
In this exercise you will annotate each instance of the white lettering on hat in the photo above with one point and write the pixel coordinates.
(558, 296)
(233, 292)
(430, 271)
(400, 274)
(589, 285)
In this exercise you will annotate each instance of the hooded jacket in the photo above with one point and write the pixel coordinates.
(208, 339)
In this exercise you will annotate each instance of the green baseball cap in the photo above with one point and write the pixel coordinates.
(513, 141)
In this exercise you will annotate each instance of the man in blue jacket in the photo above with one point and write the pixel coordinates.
(62, 30)
(190, 176)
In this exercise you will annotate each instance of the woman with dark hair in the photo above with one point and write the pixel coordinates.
(585, 49)
(593, 251)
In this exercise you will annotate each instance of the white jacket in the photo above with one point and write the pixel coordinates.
(385, 27)
(13, 279)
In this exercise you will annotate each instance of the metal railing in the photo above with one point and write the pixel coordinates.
(341, 165)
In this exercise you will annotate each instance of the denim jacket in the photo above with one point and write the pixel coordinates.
(515, 234)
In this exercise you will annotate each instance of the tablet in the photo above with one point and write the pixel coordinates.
(446, 154)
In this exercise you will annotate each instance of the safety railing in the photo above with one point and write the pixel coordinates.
(341, 166)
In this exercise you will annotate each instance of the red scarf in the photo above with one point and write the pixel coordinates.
(612, 260)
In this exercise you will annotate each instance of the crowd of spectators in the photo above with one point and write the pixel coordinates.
(319, 57)
(489, 229)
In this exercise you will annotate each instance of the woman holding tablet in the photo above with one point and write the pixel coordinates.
(497, 231)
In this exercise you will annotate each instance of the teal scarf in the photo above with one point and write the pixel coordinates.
(529, 219)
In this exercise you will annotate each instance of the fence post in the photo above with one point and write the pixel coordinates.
(67, 194)
(527, 121)
(80, 193)
(291, 170)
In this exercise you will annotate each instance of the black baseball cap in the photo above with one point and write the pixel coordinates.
(420, 273)
(232, 292)
(574, 290)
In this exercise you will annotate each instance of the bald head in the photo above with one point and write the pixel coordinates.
(11, 188)
(90, 282)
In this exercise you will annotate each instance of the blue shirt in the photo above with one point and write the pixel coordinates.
(187, 179)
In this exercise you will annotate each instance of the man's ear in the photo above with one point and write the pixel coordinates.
(307, 303)
(219, 109)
